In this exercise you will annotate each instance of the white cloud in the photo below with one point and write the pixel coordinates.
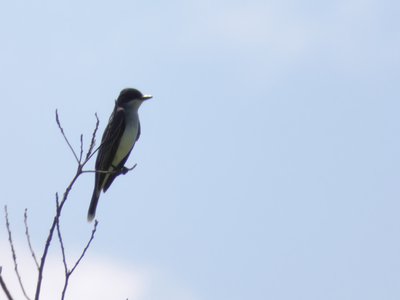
(95, 278)
(100, 278)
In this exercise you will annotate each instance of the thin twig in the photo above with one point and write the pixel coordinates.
(56, 221)
(65, 138)
(89, 154)
(101, 172)
(123, 171)
(60, 204)
(69, 273)
(14, 255)
(86, 248)
(61, 240)
(28, 238)
(50, 236)
(4, 287)
(81, 153)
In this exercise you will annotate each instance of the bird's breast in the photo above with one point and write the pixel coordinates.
(128, 139)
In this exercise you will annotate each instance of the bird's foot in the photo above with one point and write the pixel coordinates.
(125, 170)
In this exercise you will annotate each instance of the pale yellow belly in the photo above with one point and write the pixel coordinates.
(128, 139)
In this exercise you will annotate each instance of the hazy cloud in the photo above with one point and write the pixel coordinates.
(96, 278)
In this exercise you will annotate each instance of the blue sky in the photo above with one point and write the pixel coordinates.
(268, 165)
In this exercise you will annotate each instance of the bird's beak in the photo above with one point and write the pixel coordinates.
(146, 97)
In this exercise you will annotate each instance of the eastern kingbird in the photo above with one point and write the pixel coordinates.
(119, 137)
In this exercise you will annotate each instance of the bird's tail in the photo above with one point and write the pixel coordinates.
(93, 205)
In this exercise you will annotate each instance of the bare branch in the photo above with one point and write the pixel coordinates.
(122, 171)
(28, 238)
(82, 161)
(14, 255)
(69, 273)
(4, 287)
(86, 248)
(90, 152)
(61, 203)
(61, 240)
(53, 226)
(65, 137)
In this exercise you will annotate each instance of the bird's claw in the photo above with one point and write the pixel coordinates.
(125, 170)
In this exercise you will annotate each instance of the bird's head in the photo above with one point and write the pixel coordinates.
(130, 95)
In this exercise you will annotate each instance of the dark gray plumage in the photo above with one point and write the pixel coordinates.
(119, 137)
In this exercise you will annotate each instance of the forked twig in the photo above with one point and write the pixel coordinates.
(61, 203)
(50, 236)
(14, 255)
(61, 240)
(65, 138)
(82, 160)
(68, 272)
(86, 248)
(28, 238)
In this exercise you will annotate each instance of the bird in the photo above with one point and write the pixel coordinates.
(119, 138)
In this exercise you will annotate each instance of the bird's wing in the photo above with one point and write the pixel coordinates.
(111, 177)
(109, 143)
